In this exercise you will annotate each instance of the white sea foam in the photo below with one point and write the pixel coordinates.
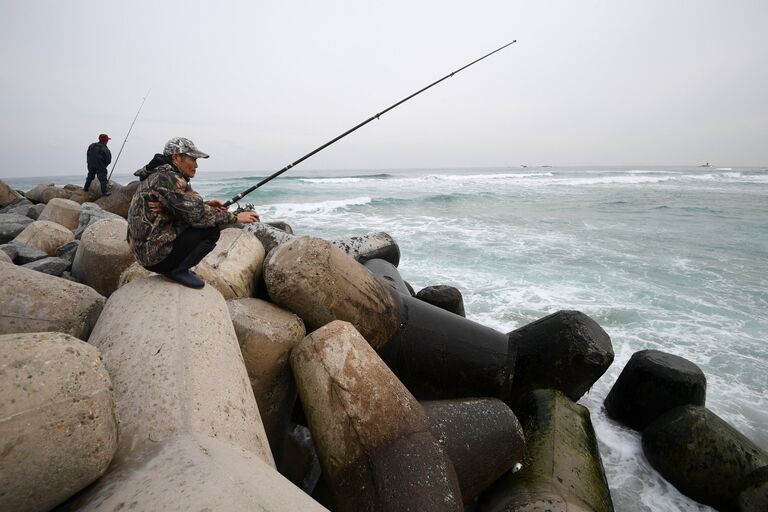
(288, 210)
(332, 181)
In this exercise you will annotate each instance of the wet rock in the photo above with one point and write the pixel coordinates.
(388, 273)
(90, 213)
(23, 253)
(566, 350)
(51, 265)
(67, 251)
(36, 194)
(7, 194)
(754, 492)
(102, 255)
(45, 235)
(11, 225)
(435, 353)
(652, 383)
(266, 334)
(562, 469)
(370, 246)
(234, 266)
(445, 297)
(34, 302)
(371, 434)
(57, 419)
(283, 226)
(62, 211)
(482, 437)
(702, 455)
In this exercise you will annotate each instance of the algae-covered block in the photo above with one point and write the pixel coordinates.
(562, 469)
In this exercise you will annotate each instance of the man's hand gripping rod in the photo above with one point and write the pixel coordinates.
(376, 116)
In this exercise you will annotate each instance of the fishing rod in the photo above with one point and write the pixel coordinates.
(241, 195)
(127, 134)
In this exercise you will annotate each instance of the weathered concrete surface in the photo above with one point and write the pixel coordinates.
(175, 348)
(371, 434)
(190, 436)
(445, 297)
(62, 211)
(11, 225)
(7, 194)
(321, 283)
(193, 473)
(34, 302)
(120, 200)
(266, 334)
(234, 266)
(45, 235)
(702, 455)
(51, 265)
(436, 354)
(562, 469)
(95, 189)
(133, 272)
(269, 236)
(57, 419)
(482, 437)
(566, 350)
(52, 193)
(652, 383)
(5, 258)
(36, 194)
(103, 254)
(90, 213)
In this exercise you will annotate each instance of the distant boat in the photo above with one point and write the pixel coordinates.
(705, 165)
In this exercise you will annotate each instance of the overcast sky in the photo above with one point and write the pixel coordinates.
(257, 84)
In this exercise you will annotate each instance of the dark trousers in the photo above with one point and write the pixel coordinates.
(189, 248)
(102, 175)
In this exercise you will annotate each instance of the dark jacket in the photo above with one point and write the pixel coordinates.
(151, 235)
(99, 157)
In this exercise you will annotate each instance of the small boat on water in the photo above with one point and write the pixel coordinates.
(705, 165)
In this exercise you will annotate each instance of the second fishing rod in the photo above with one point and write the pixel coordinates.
(244, 193)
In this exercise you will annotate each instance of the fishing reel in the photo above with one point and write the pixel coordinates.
(249, 207)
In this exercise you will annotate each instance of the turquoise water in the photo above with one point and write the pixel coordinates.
(666, 258)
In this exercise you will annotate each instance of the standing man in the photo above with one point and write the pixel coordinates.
(170, 227)
(99, 158)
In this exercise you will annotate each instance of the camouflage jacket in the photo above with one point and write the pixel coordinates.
(151, 235)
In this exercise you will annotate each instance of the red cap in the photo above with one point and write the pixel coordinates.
(104, 137)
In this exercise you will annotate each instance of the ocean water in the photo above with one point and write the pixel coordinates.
(672, 259)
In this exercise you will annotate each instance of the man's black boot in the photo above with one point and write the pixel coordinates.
(185, 277)
(181, 274)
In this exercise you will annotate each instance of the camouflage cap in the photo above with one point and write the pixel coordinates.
(180, 145)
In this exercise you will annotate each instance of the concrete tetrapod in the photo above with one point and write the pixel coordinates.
(234, 266)
(702, 455)
(482, 437)
(7, 194)
(562, 470)
(435, 353)
(566, 350)
(35, 302)
(103, 254)
(652, 383)
(190, 433)
(371, 434)
(362, 248)
(57, 419)
(45, 235)
(266, 334)
(62, 211)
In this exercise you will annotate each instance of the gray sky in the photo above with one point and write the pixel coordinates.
(259, 84)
